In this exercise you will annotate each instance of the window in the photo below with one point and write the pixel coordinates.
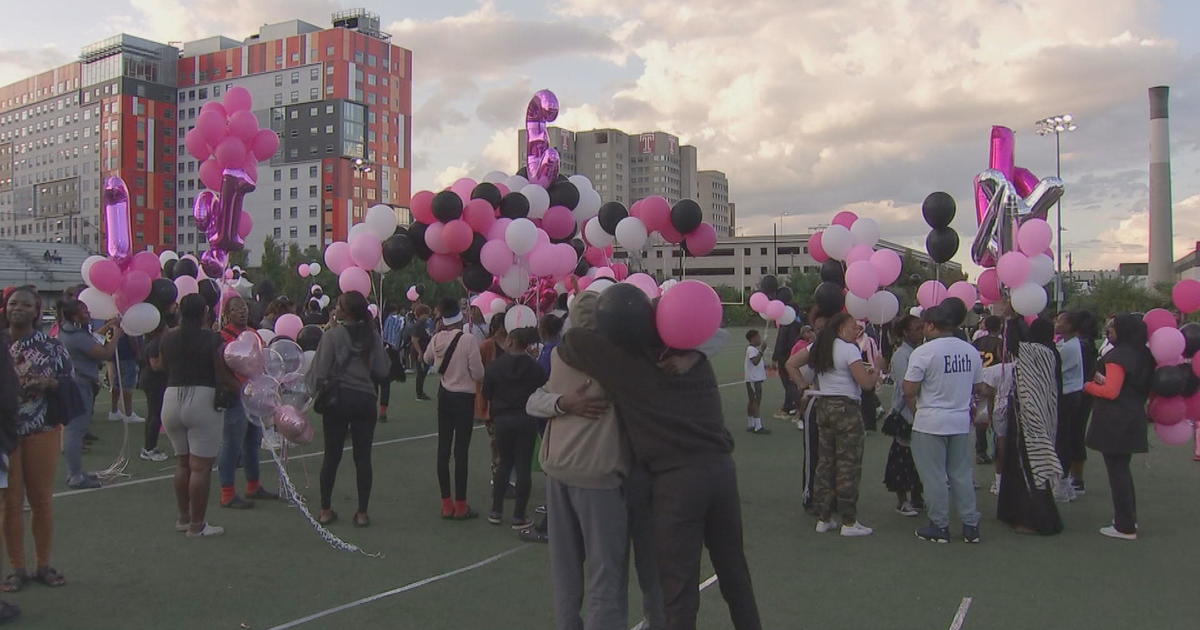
(312, 191)
(763, 270)
(312, 171)
(278, 233)
(278, 175)
(371, 60)
(312, 230)
(328, 128)
(294, 96)
(312, 111)
(295, 76)
(293, 173)
(293, 232)
(278, 213)
(293, 193)
(279, 98)
(314, 73)
(314, 93)
(763, 251)
(329, 51)
(279, 80)
(293, 212)
(278, 194)
(312, 210)
(371, 79)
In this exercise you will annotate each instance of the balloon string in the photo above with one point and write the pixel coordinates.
(116, 470)
(296, 499)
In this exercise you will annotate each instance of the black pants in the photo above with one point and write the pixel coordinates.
(1068, 440)
(870, 410)
(1120, 482)
(981, 441)
(697, 506)
(515, 437)
(354, 414)
(456, 417)
(385, 394)
(154, 405)
(789, 389)
(421, 371)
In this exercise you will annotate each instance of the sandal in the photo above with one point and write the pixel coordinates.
(361, 520)
(50, 577)
(14, 582)
(327, 519)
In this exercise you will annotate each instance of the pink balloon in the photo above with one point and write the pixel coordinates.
(543, 260)
(463, 187)
(645, 283)
(655, 213)
(185, 285)
(245, 225)
(244, 356)
(861, 279)
(214, 106)
(567, 259)
(237, 99)
(775, 308)
(1034, 237)
(231, 152)
(365, 250)
(605, 272)
(105, 275)
(702, 240)
(197, 145)
(355, 279)
(931, 293)
(457, 236)
(845, 218)
(496, 257)
(859, 252)
(688, 315)
(1167, 344)
(337, 257)
(422, 207)
(303, 270)
(1167, 411)
(498, 229)
(816, 250)
(373, 309)
(135, 286)
(620, 271)
(1174, 434)
(480, 215)
(444, 267)
(1154, 318)
(211, 126)
(669, 233)
(542, 237)
(243, 125)
(595, 256)
(148, 263)
(558, 222)
(1193, 406)
(210, 174)
(433, 238)
(964, 291)
(412, 294)
(759, 301)
(887, 264)
(288, 325)
(264, 144)
(1013, 269)
(989, 285)
(1186, 296)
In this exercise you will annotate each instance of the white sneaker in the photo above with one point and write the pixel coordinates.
(209, 530)
(133, 418)
(1112, 532)
(857, 529)
(1063, 492)
(827, 526)
(995, 489)
(115, 416)
(153, 455)
(800, 424)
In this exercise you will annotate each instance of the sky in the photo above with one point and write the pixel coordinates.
(810, 106)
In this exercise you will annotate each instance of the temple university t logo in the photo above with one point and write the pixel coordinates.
(646, 143)
(958, 363)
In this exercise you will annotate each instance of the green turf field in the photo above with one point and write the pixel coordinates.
(126, 567)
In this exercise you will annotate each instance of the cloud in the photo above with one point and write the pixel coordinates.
(176, 20)
(1127, 241)
(18, 64)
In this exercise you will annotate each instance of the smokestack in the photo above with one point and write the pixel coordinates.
(1162, 258)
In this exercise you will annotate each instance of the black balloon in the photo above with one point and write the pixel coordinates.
(523, 172)
(579, 246)
(476, 278)
(398, 251)
(1170, 381)
(625, 316)
(829, 298)
(162, 293)
(610, 215)
(581, 267)
(563, 193)
(447, 206)
(210, 292)
(169, 269)
(832, 271)
(941, 244)
(1191, 335)
(1193, 384)
(186, 267)
(514, 205)
(784, 294)
(938, 210)
(309, 337)
(420, 289)
(488, 192)
(472, 253)
(768, 285)
(686, 216)
(416, 237)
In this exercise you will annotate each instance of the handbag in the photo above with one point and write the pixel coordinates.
(896, 426)
(64, 402)
(326, 398)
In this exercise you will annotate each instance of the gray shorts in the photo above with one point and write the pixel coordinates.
(192, 425)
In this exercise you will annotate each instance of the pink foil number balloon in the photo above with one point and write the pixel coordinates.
(119, 232)
(540, 158)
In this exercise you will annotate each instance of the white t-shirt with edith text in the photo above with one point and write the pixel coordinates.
(947, 369)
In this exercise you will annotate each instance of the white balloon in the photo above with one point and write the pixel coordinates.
(1029, 299)
(581, 182)
(668, 284)
(837, 241)
(87, 267)
(588, 206)
(167, 255)
(382, 266)
(600, 284)
(308, 356)
(514, 282)
(515, 183)
(359, 228)
(314, 269)
(497, 305)
(100, 304)
(323, 301)
(883, 307)
(382, 220)
(1041, 270)
(596, 234)
(858, 308)
(266, 335)
(519, 316)
(140, 319)
(539, 200)
(865, 231)
(916, 311)
(495, 177)
(789, 316)
(521, 236)
(631, 233)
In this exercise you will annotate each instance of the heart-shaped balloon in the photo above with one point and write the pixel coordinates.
(244, 355)
(293, 425)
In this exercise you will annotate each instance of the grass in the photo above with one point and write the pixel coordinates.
(127, 568)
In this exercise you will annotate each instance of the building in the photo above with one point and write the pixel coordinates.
(1085, 280)
(340, 99)
(63, 131)
(740, 262)
(627, 167)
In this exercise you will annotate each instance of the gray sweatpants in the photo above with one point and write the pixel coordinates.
(946, 464)
(589, 545)
(639, 499)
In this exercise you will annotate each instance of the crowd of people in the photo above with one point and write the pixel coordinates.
(630, 435)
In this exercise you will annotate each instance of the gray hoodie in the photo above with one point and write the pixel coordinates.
(337, 359)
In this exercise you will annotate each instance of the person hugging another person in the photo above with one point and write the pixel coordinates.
(508, 381)
(756, 373)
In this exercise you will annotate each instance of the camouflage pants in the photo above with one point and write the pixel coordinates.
(839, 456)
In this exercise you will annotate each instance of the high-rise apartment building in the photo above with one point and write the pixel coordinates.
(340, 100)
(627, 167)
(64, 130)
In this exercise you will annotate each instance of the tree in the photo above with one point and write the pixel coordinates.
(1112, 296)
(271, 266)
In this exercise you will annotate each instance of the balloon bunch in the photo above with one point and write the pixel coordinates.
(858, 286)
(354, 260)
(681, 224)
(308, 269)
(938, 209)
(1175, 386)
(772, 302)
(275, 394)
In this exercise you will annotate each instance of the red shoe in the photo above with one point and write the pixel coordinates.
(463, 512)
(447, 508)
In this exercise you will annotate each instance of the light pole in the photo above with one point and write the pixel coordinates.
(1057, 125)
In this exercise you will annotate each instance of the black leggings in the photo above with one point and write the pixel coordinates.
(515, 437)
(1120, 482)
(421, 370)
(456, 417)
(154, 405)
(354, 414)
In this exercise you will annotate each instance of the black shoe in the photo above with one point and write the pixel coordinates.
(88, 437)
(423, 398)
(541, 509)
(983, 459)
(761, 431)
(933, 533)
(971, 534)
(532, 535)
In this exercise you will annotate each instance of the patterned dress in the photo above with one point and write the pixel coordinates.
(36, 356)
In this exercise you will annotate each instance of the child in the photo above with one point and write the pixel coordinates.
(756, 373)
(508, 382)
